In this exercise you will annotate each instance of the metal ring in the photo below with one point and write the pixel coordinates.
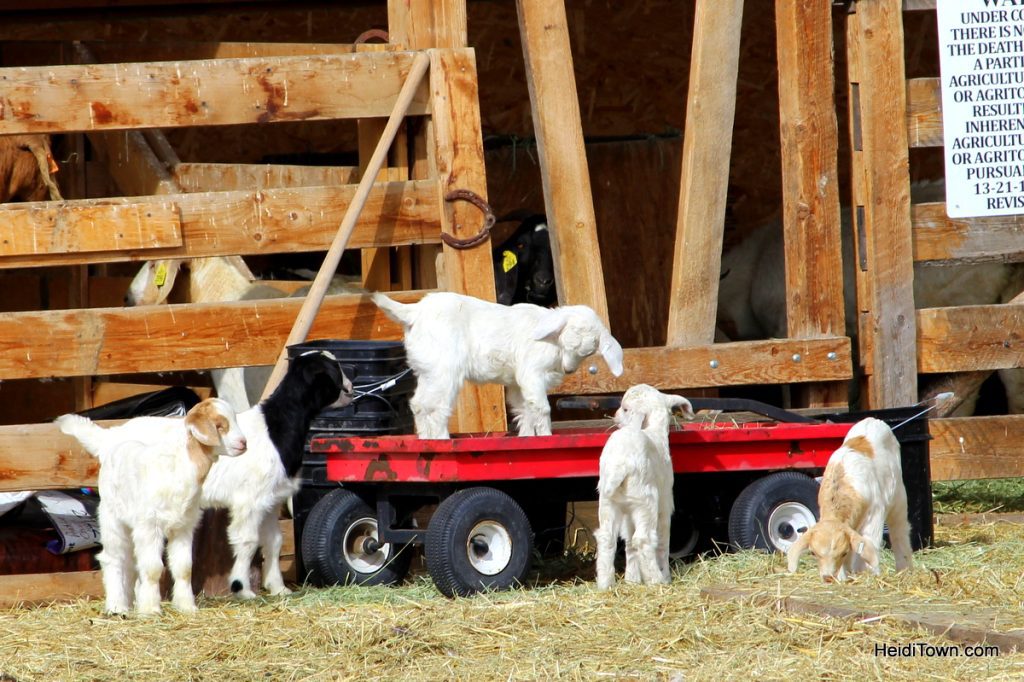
(485, 231)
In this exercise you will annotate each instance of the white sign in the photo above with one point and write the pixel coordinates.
(981, 46)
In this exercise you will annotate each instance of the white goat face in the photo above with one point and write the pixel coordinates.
(642, 401)
(213, 422)
(831, 543)
(153, 283)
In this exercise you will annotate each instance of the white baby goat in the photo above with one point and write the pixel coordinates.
(451, 338)
(151, 472)
(635, 487)
(862, 490)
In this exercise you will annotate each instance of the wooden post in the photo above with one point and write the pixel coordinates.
(458, 151)
(881, 201)
(707, 144)
(563, 160)
(810, 183)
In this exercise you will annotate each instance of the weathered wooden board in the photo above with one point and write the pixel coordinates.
(102, 341)
(40, 457)
(226, 177)
(976, 447)
(776, 361)
(810, 209)
(924, 112)
(280, 220)
(710, 113)
(202, 92)
(132, 164)
(882, 203)
(939, 238)
(967, 338)
(43, 588)
(569, 204)
(945, 623)
(75, 231)
(459, 154)
(178, 50)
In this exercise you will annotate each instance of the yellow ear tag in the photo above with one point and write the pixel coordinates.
(161, 275)
(508, 261)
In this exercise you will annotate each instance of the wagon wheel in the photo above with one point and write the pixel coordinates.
(340, 544)
(478, 539)
(773, 511)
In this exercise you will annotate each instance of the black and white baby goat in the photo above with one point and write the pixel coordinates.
(275, 430)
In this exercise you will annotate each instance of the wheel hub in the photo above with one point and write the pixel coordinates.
(489, 547)
(787, 522)
(361, 548)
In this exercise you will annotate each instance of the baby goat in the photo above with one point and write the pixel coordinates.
(451, 338)
(862, 490)
(635, 487)
(254, 487)
(151, 473)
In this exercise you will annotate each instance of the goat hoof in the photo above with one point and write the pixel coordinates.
(279, 592)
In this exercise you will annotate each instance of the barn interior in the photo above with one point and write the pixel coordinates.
(655, 137)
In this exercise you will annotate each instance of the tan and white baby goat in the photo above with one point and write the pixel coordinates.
(861, 491)
(635, 487)
(151, 473)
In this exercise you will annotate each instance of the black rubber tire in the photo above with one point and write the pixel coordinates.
(448, 551)
(325, 555)
(748, 518)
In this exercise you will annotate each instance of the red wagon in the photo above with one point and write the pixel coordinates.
(499, 496)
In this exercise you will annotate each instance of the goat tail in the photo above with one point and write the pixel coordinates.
(91, 435)
(401, 313)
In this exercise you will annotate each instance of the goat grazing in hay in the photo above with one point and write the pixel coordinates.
(27, 169)
(861, 491)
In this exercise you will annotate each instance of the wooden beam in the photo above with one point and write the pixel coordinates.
(223, 177)
(72, 230)
(132, 163)
(965, 448)
(422, 24)
(881, 181)
(939, 238)
(282, 220)
(976, 337)
(924, 112)
(459, 156)
(810, 143)
(35, 589)
(93, 97)
(563, 160)
(707, 146)
(115, 52)
(101, 341)
(40, 457)
(775, 361)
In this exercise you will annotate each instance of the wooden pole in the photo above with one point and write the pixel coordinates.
(544, 30)
(707, 146)
(311, 305)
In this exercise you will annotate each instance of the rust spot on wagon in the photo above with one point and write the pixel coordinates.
(380, 470)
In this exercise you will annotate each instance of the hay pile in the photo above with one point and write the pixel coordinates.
(566, 630)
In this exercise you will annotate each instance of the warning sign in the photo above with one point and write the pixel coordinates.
(981, 46)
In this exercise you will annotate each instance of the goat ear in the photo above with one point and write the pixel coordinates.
(864, 547)
(611, 351)
(550, 325)
(797, 549)
(202, 429)
(165, 273)
(679, 402)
